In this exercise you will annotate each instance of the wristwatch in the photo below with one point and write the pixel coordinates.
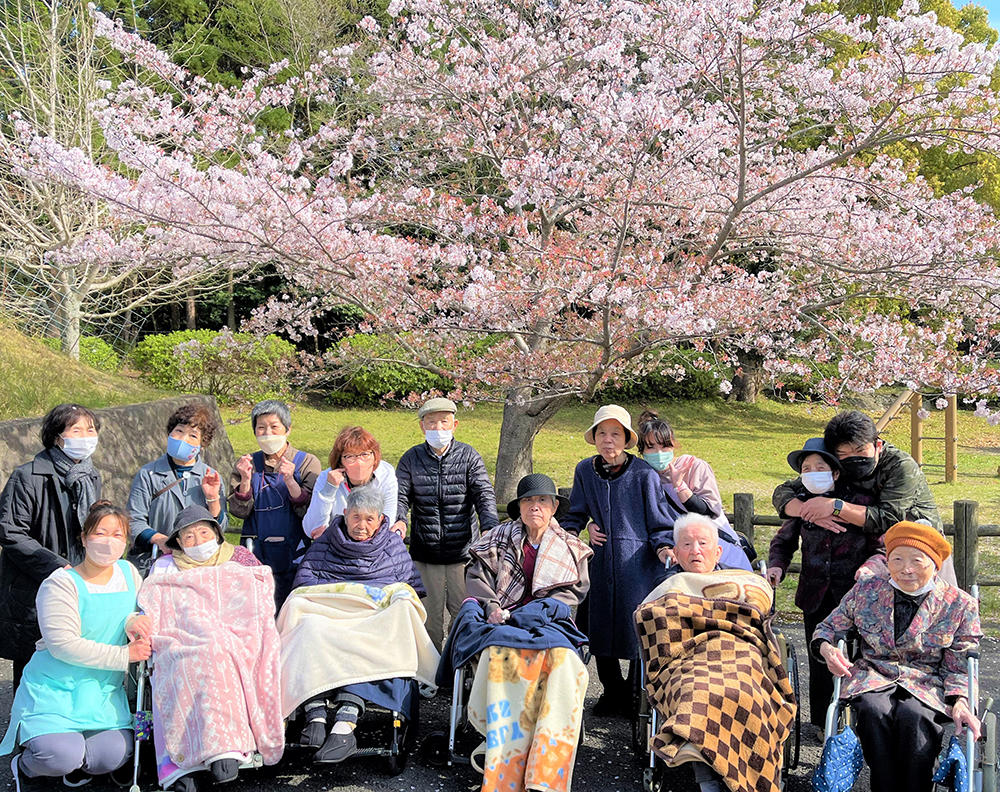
(838, 504)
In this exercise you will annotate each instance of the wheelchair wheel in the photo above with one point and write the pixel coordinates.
(403, 737)
(652, 778)
(791, 748)
(990, 752)
(434, 749)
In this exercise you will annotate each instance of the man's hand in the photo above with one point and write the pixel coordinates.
(399, 527)
(832, 524)
(597, 536)
(666, 555)
(317, 532)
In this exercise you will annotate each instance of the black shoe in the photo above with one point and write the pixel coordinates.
(224, 770)
(609, 705)
(313, 734)
(185, 783)
(337, 748)
(77, 778)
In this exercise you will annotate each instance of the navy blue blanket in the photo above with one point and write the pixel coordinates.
(541, 624)
(379, 561)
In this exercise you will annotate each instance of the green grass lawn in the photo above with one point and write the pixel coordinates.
(745, 444)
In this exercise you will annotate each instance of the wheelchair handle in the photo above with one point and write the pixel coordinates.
(834, 709)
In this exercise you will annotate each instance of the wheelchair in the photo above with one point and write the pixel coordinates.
(981, 757)
(646, 720)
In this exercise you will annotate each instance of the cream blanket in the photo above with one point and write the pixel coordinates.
(345, 633)
(528, 704)
(731, 584)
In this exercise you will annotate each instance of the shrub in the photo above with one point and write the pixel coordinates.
(94, 352)
(233, 367)
(669, 379)
(363, 382)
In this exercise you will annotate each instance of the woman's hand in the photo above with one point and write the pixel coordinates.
(336, 476)
(399, 527)
(245, 468)
(666, 555)
(774, 575)
(962, 715)
(317, 532)
(140, 650)
(838, 664)
(211, 485)
(597, 536)
(499, 616)
(141, 627)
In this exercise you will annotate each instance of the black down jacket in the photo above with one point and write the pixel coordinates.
(38, 535)
(442, 493)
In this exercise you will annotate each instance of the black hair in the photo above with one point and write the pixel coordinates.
(61, 417)
(653, 426)
(851, 428)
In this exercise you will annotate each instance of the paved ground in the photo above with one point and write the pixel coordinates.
(606, 762)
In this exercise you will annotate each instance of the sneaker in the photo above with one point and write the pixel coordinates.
(77, 778)
(337, 748)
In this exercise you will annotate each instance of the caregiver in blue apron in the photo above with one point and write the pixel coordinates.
(70, 714)
(270, 491)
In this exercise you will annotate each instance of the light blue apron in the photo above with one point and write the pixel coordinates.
(56, 697)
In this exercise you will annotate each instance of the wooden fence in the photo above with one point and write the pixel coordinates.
(965, 531)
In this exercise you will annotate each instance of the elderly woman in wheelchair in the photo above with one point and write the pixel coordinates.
(714, 673)
(516, 627)
(916, 632)
(352, 631)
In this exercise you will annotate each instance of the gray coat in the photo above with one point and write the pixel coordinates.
(150, 516)
(38, 534)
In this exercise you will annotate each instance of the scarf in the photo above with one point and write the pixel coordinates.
(557, 564)
(222, 555)
(82, 482)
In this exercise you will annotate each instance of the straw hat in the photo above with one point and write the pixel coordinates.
(612, 412)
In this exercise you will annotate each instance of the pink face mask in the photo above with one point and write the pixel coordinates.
(105, 550)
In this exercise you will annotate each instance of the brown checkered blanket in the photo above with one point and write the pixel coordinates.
(714, 674)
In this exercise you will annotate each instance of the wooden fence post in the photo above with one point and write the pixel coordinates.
(743, 514)
(966, 543)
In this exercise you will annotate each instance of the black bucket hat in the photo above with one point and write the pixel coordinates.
(537, 484)
(190, 516)
(814, 445)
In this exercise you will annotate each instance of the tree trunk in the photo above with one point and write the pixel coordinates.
(230, 306)
(69, 325)
(749, 380)
(521, 422)
(192, 316)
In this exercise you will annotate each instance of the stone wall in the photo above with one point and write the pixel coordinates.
(131, 436)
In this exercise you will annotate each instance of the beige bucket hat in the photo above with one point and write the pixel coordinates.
(614, 413)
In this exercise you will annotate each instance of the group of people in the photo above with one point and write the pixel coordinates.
(330, 557)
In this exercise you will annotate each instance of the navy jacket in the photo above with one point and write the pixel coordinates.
(379, 561)
(441, 494)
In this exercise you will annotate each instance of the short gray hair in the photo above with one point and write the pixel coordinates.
(271, 407)
(365, 500)
(685, 521)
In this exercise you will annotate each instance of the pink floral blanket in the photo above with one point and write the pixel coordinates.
(216, 663)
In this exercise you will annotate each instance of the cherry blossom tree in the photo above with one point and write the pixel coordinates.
(539, 198)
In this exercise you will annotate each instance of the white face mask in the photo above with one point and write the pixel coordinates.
(924, 589)
(203, 551)
(271, 444)
(818, 482)
(104, 550)
(438, 438)
(79, 448)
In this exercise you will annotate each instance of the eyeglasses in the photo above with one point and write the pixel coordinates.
(357, 457)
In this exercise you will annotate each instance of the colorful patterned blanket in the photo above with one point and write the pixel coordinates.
(216, 653)
(341, 634)
(528, 704)
(714, 674)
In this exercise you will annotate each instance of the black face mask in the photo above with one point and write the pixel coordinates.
(858, 467)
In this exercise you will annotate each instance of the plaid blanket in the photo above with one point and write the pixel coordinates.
(714, 674)
(557, 564)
